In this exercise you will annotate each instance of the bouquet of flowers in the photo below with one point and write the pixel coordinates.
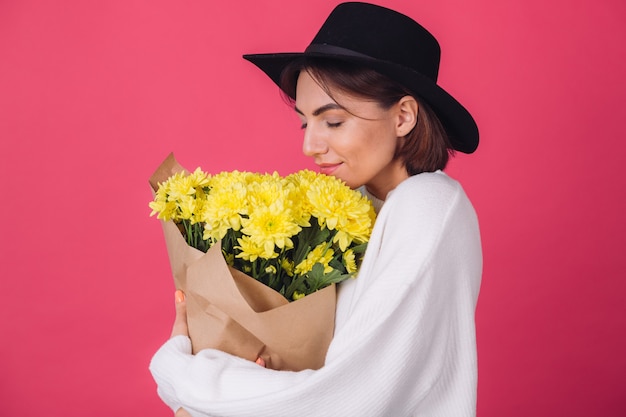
(294, 236)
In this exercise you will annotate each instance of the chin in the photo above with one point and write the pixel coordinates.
(350, 184)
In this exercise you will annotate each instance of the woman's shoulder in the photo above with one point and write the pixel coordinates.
(428, 187)
(424, 211)
(427, 201)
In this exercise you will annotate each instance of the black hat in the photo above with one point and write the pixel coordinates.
(392, 44)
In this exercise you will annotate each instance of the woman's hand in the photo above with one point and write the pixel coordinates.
(180, 322)
(182, 413)
(180, 328)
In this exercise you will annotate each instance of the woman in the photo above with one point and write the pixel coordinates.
(404, 343)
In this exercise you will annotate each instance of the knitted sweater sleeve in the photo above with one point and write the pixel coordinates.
(404, 344)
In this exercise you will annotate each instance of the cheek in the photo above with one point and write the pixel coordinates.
(381, 145)
(367, 146)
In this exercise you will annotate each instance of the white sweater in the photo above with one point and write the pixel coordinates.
(404, 343)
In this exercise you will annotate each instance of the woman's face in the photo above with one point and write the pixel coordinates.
(354, 140)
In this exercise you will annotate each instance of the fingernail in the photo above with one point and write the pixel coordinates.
(260, 361)
(180, 296)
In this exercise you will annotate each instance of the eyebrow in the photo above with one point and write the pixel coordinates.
(324, 108)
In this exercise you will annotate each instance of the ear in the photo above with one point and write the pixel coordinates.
(406, 116)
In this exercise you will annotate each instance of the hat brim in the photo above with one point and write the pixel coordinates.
(456, 120)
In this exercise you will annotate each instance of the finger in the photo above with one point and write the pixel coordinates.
(260, 361)
(180, 322)
(181, 412)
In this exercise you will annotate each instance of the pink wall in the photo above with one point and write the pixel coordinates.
(93, 95)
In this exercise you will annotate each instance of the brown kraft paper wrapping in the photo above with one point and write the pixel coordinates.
(231, 311)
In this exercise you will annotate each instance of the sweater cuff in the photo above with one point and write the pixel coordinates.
(166, 364)
(180, 344)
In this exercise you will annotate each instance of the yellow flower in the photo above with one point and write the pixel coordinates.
(320, 254)
(161, 208)
(349, 261)
(251, 251)
(270, 217)
(287, 266)
(271, 226)
(263, 190)
(181, 197)
(199, 178)
(301, 183)
(224, 207)
(339, 208)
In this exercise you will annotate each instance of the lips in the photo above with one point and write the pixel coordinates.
(328, 169)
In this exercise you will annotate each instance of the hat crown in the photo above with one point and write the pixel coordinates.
(382, 34)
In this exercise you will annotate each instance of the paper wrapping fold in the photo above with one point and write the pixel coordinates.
(232, 312)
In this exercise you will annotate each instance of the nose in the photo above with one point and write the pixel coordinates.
(313, 143)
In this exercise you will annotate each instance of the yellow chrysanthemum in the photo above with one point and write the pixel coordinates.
(337, 207)
(272, 226)
(302, 181)
(267, 214)
(349, 261)
(320, 254)
(287, 266)
(251, 250)
(181, 197)
(161, 207)
(265, 190)
(224, 180)
(224, 207)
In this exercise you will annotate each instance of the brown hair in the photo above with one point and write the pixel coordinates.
(425, 149)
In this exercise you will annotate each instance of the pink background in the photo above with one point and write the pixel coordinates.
(93, 95)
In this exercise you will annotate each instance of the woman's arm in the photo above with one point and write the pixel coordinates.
(406, 346)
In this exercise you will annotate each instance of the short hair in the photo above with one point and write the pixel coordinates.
(426, 148)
